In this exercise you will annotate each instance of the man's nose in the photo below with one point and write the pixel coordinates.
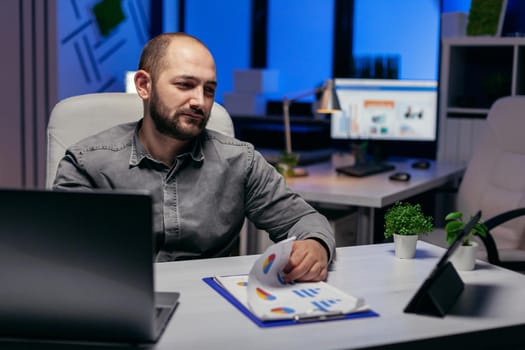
(197, 97)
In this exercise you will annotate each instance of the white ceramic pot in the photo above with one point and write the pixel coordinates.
(405, 246)
(464, 258)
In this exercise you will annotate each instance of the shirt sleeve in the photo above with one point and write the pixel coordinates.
(274, 207)
(71, 175)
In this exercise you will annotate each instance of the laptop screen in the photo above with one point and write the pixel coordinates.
(77, 265)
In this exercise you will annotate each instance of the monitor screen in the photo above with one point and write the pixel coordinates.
(384, 109)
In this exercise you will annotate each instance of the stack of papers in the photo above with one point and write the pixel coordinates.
(265, 294)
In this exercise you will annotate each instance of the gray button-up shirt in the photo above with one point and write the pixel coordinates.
(201, 201)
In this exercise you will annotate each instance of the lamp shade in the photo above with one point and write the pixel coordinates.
(329, 100)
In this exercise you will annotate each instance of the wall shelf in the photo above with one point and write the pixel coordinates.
(475, 72)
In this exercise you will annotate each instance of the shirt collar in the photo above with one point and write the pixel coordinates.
(139, 152)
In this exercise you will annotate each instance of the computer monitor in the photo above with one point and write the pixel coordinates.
(386, 110)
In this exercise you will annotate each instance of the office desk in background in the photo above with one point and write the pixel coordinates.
(324, 186)
(488, 312)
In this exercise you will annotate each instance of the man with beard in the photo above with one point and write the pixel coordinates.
(203, 183)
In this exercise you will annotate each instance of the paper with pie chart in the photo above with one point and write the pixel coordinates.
(264, 292)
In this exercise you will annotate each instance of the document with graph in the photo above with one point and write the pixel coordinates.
(265, 294)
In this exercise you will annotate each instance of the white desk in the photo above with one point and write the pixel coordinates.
(324, 186)
(492, 300)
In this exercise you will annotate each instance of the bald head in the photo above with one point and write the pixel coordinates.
(154, 57)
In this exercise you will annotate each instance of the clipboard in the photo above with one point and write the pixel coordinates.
(283, 322)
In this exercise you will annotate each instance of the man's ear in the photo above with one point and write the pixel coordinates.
(143, 84)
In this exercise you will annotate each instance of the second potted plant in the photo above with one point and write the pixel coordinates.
(464, 258)
(405, 222)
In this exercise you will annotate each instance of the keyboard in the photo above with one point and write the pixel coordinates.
(364, 169)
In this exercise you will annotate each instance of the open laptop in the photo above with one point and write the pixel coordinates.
(79, 266)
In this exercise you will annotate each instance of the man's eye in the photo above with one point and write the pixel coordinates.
(184, 85)
(209, 90)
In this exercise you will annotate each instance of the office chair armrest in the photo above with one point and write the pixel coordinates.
(490, 243)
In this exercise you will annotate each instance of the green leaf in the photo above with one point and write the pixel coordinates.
(451, 237)
(108, 15)
(480, 229)
(453, 226)
(455, 215)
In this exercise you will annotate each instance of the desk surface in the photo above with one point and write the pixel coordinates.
(204, 320)
(324, 185)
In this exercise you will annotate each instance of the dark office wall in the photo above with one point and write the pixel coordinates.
(28, 89)
(94, 55)
(225, 28)
(300, 39)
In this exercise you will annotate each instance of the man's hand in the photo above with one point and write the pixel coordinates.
(308, 262)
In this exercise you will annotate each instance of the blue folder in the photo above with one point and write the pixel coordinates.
(275, 323)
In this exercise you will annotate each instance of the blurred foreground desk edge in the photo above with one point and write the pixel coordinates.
(488, 315)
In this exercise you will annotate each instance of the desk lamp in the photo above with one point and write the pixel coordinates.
(329, 104)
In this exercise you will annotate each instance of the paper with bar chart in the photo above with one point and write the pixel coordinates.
(264, 292)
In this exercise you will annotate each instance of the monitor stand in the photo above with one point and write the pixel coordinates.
(363, 166)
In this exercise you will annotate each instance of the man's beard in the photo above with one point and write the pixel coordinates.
(173, 125)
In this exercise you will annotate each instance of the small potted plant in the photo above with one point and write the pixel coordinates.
(287, 162)
(405, 222)
(464, 258)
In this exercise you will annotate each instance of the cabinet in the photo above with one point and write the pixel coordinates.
(474, 72)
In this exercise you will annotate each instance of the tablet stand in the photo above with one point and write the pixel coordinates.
(438, 293)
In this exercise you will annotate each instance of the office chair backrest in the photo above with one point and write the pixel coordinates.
(77, 117)
(494, 181)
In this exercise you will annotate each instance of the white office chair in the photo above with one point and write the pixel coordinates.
(77, 117)
(494, 181)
